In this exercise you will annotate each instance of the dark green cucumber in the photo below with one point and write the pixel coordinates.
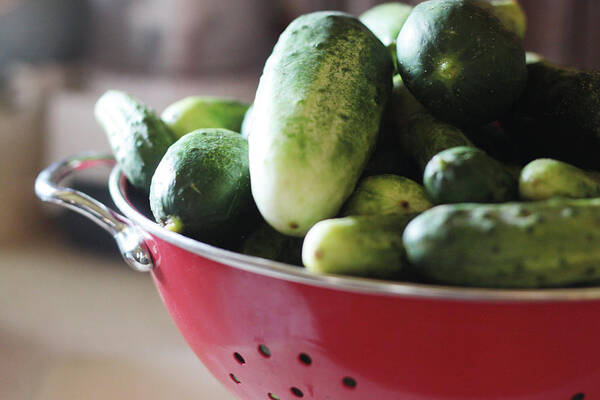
(266, 242)
(425, 136)
(385, 21)
(545, 178)
(200, 112)
(467, 174)
(366, 245)
(389, 156)
(387, 194)
(460, 61)
(316, 118)
(559, 112)
(496, 142)
(512, 245)
(201, 187)
(138, 137)
(388, 159)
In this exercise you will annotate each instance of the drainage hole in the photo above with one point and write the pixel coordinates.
(305, 358)
(239, 358)
(273, 396)
(264, 350)
(296, 392)
(349, 382)
(578, 396)
(234, 378)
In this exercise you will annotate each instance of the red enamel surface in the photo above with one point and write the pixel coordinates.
(394, 347)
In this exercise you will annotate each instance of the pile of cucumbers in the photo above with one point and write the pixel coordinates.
(412, 143)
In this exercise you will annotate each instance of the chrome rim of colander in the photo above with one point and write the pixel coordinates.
(353, 284)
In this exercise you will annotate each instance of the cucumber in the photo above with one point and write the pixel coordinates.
(138, 137)
(562, 105)
(199, 112)
(316, 118)
(425, 136)
(533, 58)
(546, 178)
(386, 194)
(201, 187)
(496, 142)
(467, 174)
(511, 14)
(367, 245)
(512, 245)
(266, 242)
(514, 170)
(386, 160)
(460, 62)
(402, 104)
(385, 21)
(247, 123)
(389, 155)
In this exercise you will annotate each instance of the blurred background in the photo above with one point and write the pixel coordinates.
(74, 322)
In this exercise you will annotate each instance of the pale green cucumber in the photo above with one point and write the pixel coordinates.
(387, 194)
(201, 112)
(316, 118)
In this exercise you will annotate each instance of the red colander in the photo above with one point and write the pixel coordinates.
(268, 330)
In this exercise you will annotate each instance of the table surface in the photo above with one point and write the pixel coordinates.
(78, 326)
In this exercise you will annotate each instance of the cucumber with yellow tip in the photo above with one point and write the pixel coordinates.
(366, 245)
(201, 112)
(546, 178)
(387, 194)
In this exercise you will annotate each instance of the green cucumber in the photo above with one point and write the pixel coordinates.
(138, 137)
(512, 245)
(316, 118)
(386, 160)
(496, 142)
(386, 194)
(425, 136)
(460, 62)
(200, 112)
(386, 21)
(511, 14)
(514, 170)
(559, 113)
(201, 187)
(389, 155)
(402, 104)
(266, 242)
(467, 174)
(367, 245)
(545, 178)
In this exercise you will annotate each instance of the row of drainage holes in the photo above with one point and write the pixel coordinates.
(298, 393)
(264, 350)
(303, 358)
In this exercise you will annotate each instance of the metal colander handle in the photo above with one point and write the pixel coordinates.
(128, 237)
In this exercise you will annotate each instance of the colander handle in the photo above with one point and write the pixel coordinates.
(128, 237)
